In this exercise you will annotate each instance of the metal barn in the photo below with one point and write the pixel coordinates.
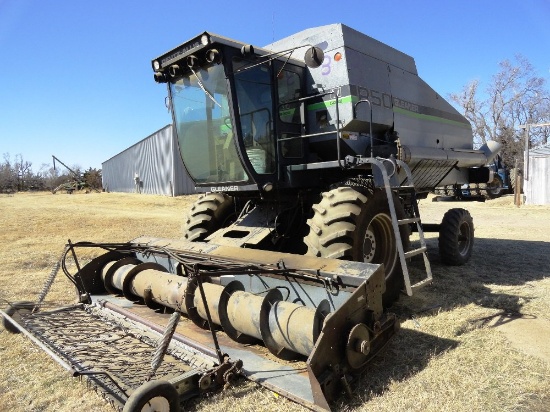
(151, 166)
(536, 185)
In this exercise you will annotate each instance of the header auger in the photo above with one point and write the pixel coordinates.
(236, 306)
(310, 172)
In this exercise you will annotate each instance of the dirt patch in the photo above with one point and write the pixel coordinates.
(527, 333)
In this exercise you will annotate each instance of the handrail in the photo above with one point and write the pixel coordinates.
(337, 131)
(370, 123)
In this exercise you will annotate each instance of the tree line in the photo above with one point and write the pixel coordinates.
(515, 96)
(17, 175)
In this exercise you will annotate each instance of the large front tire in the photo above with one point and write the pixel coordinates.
(351, 225)
(211, 212)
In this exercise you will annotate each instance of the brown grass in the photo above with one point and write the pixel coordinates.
(447, 356)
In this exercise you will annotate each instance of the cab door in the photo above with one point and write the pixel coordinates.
(254, 92)
(289, 86)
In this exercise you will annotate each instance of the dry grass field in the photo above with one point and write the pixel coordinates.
(478, 339)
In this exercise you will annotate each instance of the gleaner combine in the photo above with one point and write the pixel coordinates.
(311, 170)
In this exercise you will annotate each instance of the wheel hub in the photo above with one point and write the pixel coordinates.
(464, 238)
(369, 246)
(379, 244)
(157, 404)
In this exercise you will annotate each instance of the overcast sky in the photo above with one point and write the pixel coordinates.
(76, 79)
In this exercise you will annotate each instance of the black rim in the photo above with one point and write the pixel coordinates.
(464, 238)
(379, 245)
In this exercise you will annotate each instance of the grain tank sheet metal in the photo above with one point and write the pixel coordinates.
(361, 67)
(242, 311)
(410, 120)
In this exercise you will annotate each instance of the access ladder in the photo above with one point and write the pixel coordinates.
(389, 182)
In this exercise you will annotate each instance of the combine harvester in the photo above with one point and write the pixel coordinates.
(311, 171)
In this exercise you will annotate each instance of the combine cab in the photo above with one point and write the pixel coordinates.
(311, 170)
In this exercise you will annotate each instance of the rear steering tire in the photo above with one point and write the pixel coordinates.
(350, 225)
(211, 212)
(456, 237)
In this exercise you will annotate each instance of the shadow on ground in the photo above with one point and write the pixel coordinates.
(494, 262)
(408, 353)
(499, 261)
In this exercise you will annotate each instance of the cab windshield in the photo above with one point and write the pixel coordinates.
(205, 131)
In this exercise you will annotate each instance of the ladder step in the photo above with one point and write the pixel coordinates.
(423, 282)
(415, 252)
(410, 220)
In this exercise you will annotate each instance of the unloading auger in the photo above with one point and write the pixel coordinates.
(162, 320)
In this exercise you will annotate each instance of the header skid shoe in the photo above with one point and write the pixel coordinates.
(245, 311)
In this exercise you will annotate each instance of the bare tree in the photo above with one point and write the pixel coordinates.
(23, 170)
(51, 177)
(515, 96)
(7, 175)
(18, 175)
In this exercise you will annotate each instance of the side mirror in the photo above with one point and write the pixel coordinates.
(314, 57)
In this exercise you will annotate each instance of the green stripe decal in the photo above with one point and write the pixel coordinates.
(332, 102)
(396, 109)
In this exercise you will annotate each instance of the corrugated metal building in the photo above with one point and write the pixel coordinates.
(536, 187)
(152, 166)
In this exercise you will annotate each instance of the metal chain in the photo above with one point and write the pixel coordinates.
(163, 343)
(50, 279)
